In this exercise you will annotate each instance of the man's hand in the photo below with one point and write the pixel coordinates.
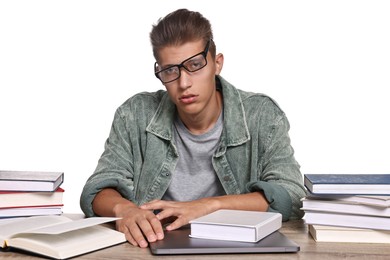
(140, 226)
(182, 212)
(187, 211)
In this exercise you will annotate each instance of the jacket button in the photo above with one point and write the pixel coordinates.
(167, 174)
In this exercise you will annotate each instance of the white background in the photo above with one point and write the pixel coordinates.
(65, 66)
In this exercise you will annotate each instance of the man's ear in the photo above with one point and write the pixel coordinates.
(218, 63)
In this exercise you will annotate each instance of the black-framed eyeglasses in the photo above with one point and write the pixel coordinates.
(192, 64)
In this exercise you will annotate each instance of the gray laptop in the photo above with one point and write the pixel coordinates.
(178, 242)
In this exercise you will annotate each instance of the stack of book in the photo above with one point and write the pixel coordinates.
(348, 207)
(24, 193)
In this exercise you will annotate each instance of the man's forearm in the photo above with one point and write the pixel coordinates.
(254, 201)
(109, 202)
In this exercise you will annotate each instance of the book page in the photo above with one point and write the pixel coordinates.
(9, 228)
(70, 226)
(68, 244)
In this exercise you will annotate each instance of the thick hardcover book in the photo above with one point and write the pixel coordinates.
(30, 211)
(338, 206)
(16, 199)
(236, 225)
(30, 180)
(357, 184)
(370, 200)
(58, 237)
(348, 235)
(347, 220)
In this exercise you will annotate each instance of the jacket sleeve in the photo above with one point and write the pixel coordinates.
(114, 169)
(279, 176)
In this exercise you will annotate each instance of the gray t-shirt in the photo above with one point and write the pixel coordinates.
(194, 176)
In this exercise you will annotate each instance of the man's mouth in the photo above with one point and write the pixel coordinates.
(187, 99)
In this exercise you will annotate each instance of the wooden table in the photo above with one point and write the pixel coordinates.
(295, 230)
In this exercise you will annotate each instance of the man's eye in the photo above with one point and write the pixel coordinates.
(170, 71)
(194, 64)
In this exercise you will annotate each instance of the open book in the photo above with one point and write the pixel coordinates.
(58, 236)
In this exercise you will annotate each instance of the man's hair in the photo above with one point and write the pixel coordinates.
(180, 27)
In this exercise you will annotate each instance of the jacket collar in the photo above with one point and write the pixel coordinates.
(235, 130)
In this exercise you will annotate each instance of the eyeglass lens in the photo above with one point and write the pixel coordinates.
(191, 65)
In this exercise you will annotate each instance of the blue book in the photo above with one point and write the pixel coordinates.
(353, 184)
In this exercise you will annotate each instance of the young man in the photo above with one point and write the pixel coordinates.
(199, 146)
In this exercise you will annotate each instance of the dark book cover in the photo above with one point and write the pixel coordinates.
(370, 184)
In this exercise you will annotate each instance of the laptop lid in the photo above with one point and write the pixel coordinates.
(179, 242)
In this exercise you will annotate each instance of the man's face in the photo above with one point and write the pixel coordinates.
(194, 92)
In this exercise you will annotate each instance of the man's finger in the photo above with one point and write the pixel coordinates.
(179, 222)
(157, 228)
(129, 237)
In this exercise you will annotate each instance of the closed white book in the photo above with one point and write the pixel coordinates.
(347, 220)
(377, 201)
(29, 211)
(236, 225)
(30, 180)
(348, 235)
(338, 206)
